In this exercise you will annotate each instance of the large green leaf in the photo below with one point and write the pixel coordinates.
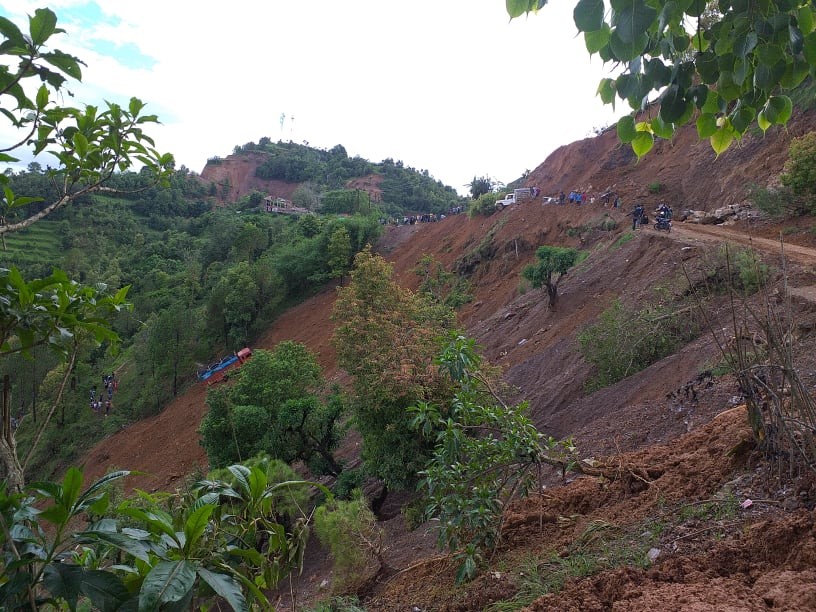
(196, 523)
(722, 139)
(633, 21)
(597, 40)
(9, 30)
(642, 143)
(809, 50)
(167, 582)
(762, 121)
(795, 73)
(778, 109)
(708, 67)
(96, 486)
(767, 76)
(626, 51)
(662, 129)
(606, 89)
(626, 129)
(67, 63)
(63, 580)
(42, 25)
(588, 15)
(123, 541)
(71, 486)
(745, 44)
(706, 125)
(226, 587)
(741, 118)
(804, 19)
(672, 104)
(517, 8)
(105, 590)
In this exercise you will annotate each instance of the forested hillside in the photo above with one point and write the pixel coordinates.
(205, 277)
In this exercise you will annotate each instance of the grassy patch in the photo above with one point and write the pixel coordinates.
(624, 238)
(602, 546)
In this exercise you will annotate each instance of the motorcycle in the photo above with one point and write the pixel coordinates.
(663, 224)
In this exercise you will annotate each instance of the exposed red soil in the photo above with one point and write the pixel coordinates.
(670, 450)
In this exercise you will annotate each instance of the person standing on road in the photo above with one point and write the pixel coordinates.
(637, 216)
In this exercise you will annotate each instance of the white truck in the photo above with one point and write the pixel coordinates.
(517, 195)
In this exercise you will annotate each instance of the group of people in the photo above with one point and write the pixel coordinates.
(663, 212)
(104, 401)
(580, 197)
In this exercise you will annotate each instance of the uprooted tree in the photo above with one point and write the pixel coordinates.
(725, 66)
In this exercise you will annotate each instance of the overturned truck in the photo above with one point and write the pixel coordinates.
(220, 370)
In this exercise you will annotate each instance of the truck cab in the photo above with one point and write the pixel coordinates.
(507, 200)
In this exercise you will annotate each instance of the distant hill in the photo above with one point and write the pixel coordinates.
(278, 169)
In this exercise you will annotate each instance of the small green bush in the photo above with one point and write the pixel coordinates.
(347, 482)
(349, 530)
(777, 203)
(624, 342)
(655, 187)
(751, 270)
(485, 205)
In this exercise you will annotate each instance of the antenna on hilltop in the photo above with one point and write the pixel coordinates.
(282, 119)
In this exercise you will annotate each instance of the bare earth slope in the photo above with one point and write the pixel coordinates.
(674, 450)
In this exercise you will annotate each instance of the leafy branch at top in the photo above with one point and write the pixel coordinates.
(89, 144)
(726, 67)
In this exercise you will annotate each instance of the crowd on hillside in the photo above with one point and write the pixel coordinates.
(579, 197)
(104, 401)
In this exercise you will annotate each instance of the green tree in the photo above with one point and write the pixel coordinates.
(553, 263)
(386, 339)
(480, 186)
(275, 407)
(487, 453)
(339, 252)
(744, 60)
(53, 312)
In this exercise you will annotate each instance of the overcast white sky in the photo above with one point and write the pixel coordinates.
(451, 86)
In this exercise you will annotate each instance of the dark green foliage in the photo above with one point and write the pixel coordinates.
(485, 205)
(480, 186)
(274, 407)
(404, 189)
(153, 552)
(441, 286)
(726, 65)
(346, 201)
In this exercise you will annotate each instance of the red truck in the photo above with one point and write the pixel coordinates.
(218, 371)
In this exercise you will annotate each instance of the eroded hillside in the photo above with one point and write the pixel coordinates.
(669, 449)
